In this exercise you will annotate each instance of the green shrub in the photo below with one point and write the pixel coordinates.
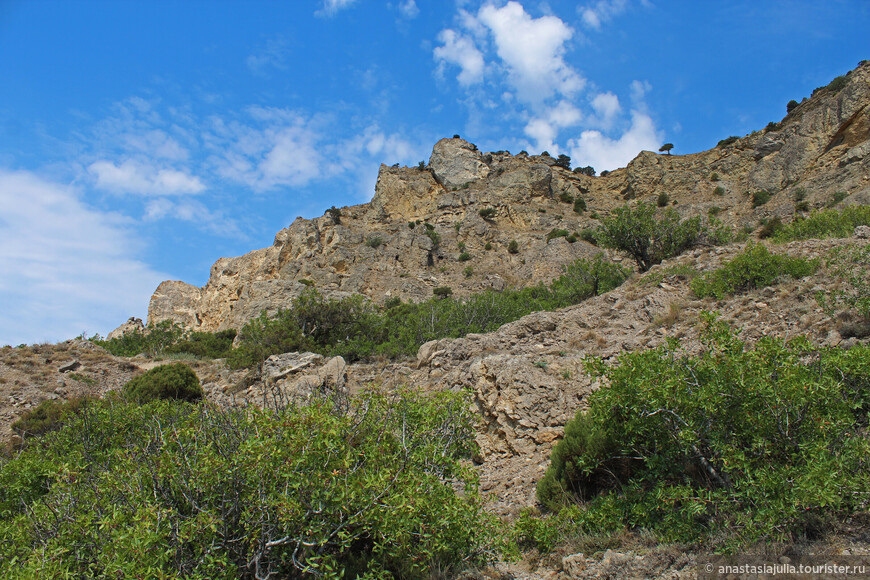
(50, 415)
(487, 212)
(588, 171)
(513, 247)
(205, 344)
(587, 278)
(334, 214)
(826, 224)
(773, 126)
(637, 231)
(557, 233)
(374, 241)
(579, 205)
(733, 445)
(714, 211)
(769, 228)
(663, 200)
(174, 381)
(379, 488)
(850, 267)
(727, 141)
(836, 85)
(566, 197)
(791, 105)
(468, 272)
(714, 176)
(588, 235)
(563, 161)
(464, 257)
(837, 198)
(760, 198)
(720, 191)
(488, 246)
(433, 235)
(442, 291)
(753, 268)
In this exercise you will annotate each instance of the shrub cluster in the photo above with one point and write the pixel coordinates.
(49, 415)
(825, 224)
(356, 329)
(734, 444)
(167, 338)
(755, 267)
(849, 300)
(166, 490)
(649, 240)
(176, 381)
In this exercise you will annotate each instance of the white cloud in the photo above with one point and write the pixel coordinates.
(606, 106)
(143, 179)
(544, 130)
(533, 51)
(602, 152)
(597, 13)
(460, 50)
(272, 55)
(639, 89)
(66, 267)
(195, 212)
(331, 7)
(408, 9)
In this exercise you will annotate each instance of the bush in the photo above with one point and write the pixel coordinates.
(720, 191)
(727, 141)
(587, 278)
(433, 235)
(174, 382)
(205, 344)
(566, 197)
(791, 105)
(826, 224)
(588, 170)
(850, 266)
(714, 176)
(464, 257)
(513, 247)
(468, 272)
(335, 214)
(663, 200)
(374, 242)
(588, 235)
(563, 161)
(487, 212)
(636, 231)
(379, 490)
(488, 246)
(579, 205)
(734, 444)
(753, 268)
(557, 233)
(760, 198)
(49, 415)
(442, 291)
(773, 126)
(769, 228)
(836, 85)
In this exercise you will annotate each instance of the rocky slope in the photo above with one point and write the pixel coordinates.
(817, 154)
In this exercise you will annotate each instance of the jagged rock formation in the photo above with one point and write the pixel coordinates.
(384, 248)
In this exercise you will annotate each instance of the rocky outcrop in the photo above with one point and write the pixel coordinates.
(408, 239)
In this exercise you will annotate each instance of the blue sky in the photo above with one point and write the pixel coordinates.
(142, 140)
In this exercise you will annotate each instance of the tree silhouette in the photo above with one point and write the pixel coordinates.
(667, 148)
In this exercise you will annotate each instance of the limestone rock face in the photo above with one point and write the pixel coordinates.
(132, 326)
(408, 239)
(456, 162)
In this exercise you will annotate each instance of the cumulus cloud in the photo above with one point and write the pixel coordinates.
(606, 106)
(193, 211)
(460, 50)
(533, 51)
(143, 179)
(272, 55)
(408, 9)
(67, 268)
(603, 152)
(545, 129)
(331, 7)
(597, 13)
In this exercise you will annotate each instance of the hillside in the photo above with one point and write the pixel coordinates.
(451, 224)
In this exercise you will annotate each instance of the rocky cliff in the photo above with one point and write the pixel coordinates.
(412, 236)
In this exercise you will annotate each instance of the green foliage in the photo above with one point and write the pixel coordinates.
(421, 166)
(205, 344)
(468, 272)
(837, 198)
(487, 213)
(374, 241)
(773, 126)
(826, 224)
(566, 197)
(769, 228)
(174, 381)
(335, 214)
(513, 247)
(836, 85)
(49, 415)
(488, 246)
(727, 141)
(464, 257)
(433, 235)
(355, 328)
(588, 170)
(563, 161)
(663, 200)
(557, 233)
(850, 266)
(714, 176)
(649, 240)
(760, 197)
(714, 211)
(720, 191)
(588, 235)
(753, 268)
(169, 337)
(379, 488)
(666, 148)
(791, 105)
(579, 205)
(734, 444)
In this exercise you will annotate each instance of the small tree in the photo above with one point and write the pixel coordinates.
(513, 247)
(666, 148)
(563, 161)
(588, 170)
(791, 106)
(335, 214)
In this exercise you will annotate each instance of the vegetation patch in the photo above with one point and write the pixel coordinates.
(825, 224)
(755, 267)
(175, 381)
(730, 447)
(377, 488)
